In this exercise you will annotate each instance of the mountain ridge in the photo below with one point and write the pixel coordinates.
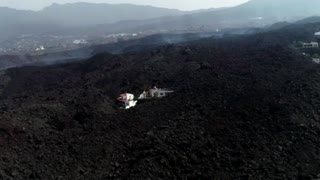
(255, 13)
(67, 16)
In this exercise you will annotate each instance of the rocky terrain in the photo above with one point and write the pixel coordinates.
(244, 107)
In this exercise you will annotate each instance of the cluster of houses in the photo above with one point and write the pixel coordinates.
(128, 101)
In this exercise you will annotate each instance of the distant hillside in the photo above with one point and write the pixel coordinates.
(263, 11)
(97, 20)
(15, 22)
(258, 13)
(57, 17)
(313, 19)
(283, 33)
(132, 46)
(84, 14)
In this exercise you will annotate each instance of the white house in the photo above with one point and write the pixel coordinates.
(155, 93)
(127, 100)
(41, 48)
(316, 60)
(80, 41)
(311, 45)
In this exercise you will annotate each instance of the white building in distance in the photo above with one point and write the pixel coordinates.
(311, 45)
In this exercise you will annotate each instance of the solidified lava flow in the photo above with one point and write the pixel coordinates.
(244, 107)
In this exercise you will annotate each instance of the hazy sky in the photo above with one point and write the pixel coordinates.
(177, 4)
